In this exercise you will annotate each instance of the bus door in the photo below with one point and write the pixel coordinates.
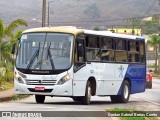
(80, 72)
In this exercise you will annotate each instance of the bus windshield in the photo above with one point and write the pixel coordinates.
(45, 51)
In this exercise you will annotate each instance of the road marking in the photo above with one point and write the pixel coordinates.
(147, 100)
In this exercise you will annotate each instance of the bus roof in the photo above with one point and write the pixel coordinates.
(60, 29)
(110, 34)
(75, 31)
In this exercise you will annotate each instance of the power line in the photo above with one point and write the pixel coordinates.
(121, 19)
(106, 20)
(150, 8)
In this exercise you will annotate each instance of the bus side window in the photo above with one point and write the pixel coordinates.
(107, 52)
(133, 51)
(142, 49)
(121, 50)
(92, 48)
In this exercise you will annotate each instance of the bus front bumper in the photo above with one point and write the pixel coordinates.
(49, 90)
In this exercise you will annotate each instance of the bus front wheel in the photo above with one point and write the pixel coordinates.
(124, 97)
(86, 99)
(40, 98)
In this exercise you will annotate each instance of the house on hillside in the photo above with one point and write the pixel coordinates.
(128, 31)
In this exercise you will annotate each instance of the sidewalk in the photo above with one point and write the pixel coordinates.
(6, 95)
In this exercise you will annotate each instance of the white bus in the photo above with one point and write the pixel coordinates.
(79, 63)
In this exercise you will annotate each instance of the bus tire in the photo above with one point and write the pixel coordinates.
(124, 97)
(86, 99)
(40, 98)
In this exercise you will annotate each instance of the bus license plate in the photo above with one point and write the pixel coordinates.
(39, 88)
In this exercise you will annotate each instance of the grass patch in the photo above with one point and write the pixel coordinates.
(15, 97)
(128, 114)
(6, 86)
(18, 97)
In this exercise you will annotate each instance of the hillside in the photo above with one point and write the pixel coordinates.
(77, 12)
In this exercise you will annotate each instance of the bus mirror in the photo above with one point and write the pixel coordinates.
(13, 49)
(80, 50)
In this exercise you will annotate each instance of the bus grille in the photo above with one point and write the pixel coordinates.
(40, 82)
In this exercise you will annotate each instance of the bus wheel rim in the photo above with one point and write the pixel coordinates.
(126, 92)
(89, 93)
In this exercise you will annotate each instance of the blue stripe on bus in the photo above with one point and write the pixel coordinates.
(139, 38)
(137, 76)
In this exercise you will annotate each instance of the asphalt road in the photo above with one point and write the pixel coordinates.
(149, 101)
(151, 95)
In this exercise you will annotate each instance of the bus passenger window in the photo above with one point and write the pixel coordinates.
(142, 57)
(107, 55)
(92, 48)
(106, 43)
(121, 56)
(93, 54)
(133, 51)
(107, 52)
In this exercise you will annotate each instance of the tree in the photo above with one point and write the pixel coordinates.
(14, 37)
(155, 42)
(92, 12)
(5, 46)
(8, 32)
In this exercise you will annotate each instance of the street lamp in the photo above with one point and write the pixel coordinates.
(48, 11)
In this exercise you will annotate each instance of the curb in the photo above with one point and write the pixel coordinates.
(13, 97)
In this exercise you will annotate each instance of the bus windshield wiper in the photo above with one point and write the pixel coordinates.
(33, 57)
(50, 57)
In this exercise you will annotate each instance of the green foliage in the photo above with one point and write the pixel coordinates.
(6, 62)
(1, 30)
(154, 40)
(6, 49)
(8, 77)
(150, 27)
(9, 74)
(13, 25)
(5, 45)
(14, 38)
(15, 97)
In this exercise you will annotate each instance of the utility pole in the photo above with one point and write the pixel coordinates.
(44, 13)
(49, 11)
(133, 32)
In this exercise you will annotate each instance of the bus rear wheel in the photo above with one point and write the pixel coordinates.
(124, 97)
(86, 99)
(40, 98)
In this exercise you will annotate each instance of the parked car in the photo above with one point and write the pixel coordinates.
(148, 80)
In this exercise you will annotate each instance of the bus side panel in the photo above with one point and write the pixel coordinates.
(80, 80)
(112, 77)
(137, 76)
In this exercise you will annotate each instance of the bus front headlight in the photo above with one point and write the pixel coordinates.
(18, 77)
(64, 79)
